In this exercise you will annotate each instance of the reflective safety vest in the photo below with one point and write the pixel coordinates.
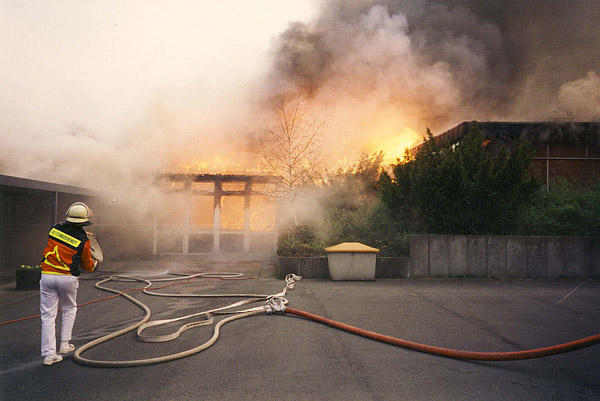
(68, 250)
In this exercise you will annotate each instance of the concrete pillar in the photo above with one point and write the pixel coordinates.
(247, 197)
(186, 216)
(218, 192)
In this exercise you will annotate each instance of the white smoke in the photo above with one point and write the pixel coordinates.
(106, 94)
(581, 98)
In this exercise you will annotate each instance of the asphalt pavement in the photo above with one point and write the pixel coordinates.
(278, 357)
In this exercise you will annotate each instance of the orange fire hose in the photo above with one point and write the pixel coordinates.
(452, 353)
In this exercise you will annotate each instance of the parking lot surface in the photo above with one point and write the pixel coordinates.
(275, 357)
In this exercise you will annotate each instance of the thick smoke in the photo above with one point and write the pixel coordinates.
(437, 63)
(105, 97)
(110, 97)
(581, 98)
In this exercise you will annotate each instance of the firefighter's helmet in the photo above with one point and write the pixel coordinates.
(79, 212)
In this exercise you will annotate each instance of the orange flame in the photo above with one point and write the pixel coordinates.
(220, 164)
(391, 135)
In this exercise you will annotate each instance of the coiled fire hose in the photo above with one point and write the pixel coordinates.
(276, 305)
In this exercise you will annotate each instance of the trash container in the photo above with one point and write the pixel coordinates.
(351, 261)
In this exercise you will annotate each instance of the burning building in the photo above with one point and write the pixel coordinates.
(569, 150)
(214, 213)
(199, 216)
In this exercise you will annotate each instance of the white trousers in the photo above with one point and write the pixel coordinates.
(53, 288)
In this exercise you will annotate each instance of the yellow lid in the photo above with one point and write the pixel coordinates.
(351, 247)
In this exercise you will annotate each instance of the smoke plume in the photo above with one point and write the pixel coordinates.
(106, 94)
(436, 63)
(103, 97)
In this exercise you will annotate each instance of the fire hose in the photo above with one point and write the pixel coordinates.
(452, 353)
(276, 304)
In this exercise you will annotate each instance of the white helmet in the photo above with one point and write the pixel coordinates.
(79, 212)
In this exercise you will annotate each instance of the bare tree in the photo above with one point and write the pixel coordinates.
(291, 144)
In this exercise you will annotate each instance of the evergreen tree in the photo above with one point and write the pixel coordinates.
(461, 189)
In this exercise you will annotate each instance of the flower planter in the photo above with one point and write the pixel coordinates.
(28, 279)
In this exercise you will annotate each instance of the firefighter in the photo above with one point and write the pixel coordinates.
(68, 251)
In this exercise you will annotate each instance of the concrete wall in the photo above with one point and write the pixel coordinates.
(318, 267)
(504, 257)
(452, 256)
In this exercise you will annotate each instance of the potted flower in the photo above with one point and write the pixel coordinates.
(28, 277)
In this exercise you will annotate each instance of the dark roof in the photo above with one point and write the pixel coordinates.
(179, 177)
(566, 133)
(18, 182)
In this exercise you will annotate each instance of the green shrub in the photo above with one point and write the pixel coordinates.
(370, 224)
(460, 189)
(300, 241)
(353, 211)
(564, 209)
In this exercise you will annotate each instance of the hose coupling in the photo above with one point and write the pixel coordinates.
(291, 279)
(275, 305)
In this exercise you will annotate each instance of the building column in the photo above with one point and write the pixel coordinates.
(247, 197)
(187, 216)
(218, 192)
